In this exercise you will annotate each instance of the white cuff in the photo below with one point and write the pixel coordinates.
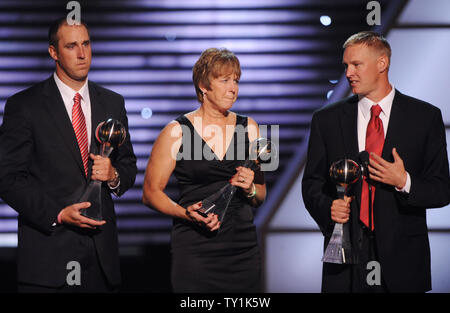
(115, 187)
(407, 186)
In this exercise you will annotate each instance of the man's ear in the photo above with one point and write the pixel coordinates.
(53, 53)
(383, 63)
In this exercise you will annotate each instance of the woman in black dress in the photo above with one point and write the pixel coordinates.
(206, 149)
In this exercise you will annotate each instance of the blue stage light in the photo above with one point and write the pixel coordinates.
(146, 113)
(171, 36)
(325, 20)
(329, 93)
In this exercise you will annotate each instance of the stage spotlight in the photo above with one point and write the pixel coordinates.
(171, 36)
(329, 93)
(325, 20)
(146, 113)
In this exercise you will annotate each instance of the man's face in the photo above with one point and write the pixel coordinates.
(362, 69)
(73, 56)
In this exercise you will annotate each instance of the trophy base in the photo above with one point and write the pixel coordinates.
(93, 195)
(337, 255)
(92, 214)
(218, 202)
(338, 250)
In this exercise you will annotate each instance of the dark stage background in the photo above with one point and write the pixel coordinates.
(290, 53)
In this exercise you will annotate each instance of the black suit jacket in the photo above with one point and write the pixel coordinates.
(41, 172)
(417, 130)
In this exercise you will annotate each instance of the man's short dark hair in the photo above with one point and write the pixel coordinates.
(53, 30)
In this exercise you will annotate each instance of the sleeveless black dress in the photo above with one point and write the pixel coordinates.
(227, 260)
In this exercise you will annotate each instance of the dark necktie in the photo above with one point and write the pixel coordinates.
(79, 126)
(374, 143)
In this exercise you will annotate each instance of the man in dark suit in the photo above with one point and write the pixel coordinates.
(45, 166)
(408, 169)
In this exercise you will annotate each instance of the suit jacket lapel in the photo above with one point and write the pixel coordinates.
(394, 127)
(55, 106)
(99, 113)
(349, 118)
(349, 126)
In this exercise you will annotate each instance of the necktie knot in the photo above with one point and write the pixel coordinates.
(375, 110)
(77, 98)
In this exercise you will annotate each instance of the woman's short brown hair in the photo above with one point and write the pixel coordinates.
(213, 63)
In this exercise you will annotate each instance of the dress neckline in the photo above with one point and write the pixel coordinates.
(229, 144)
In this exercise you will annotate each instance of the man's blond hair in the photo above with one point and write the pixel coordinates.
(372, 40)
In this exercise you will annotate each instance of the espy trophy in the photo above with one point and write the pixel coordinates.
(261, 151)
(339, 250)
(110, 134)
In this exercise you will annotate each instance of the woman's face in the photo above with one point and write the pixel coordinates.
(223, 91)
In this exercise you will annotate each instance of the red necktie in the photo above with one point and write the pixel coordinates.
(79, 126)
(374, 143)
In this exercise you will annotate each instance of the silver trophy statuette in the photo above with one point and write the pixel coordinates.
(261, 151)
(110, 134)
(339, 250)
(345, 172)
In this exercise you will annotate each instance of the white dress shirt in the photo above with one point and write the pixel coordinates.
(364, 105)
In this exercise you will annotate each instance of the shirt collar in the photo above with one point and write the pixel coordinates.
(386, 104)
(68, 93)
